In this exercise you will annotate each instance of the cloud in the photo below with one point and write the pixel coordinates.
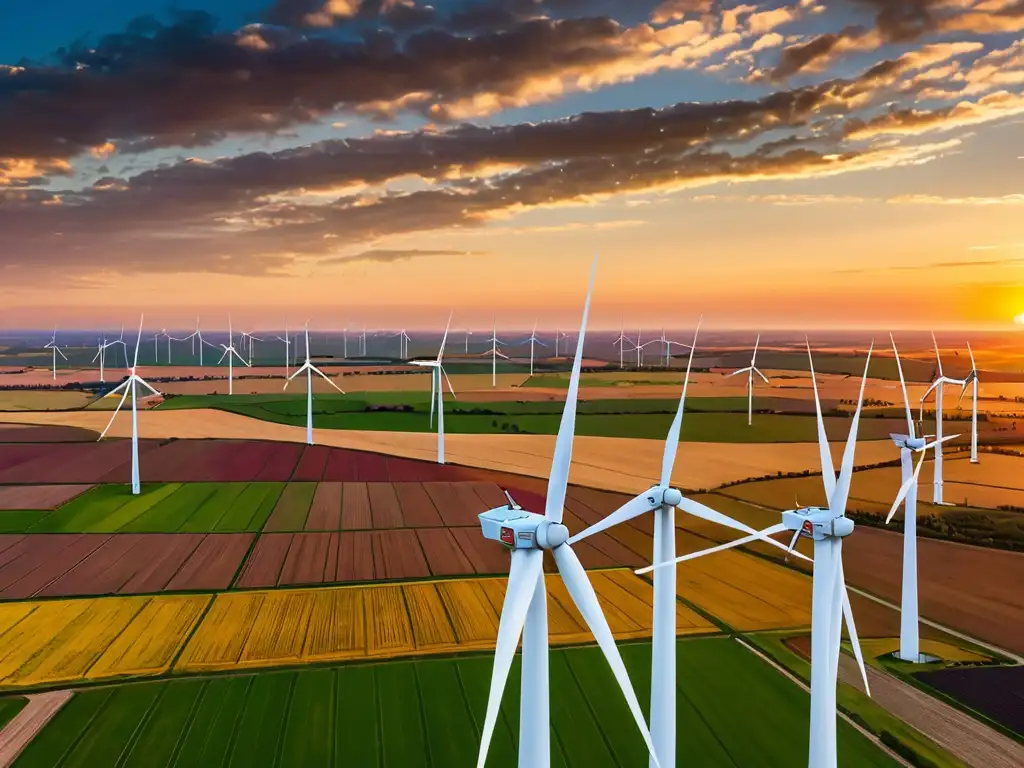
(1014, 199)
(387, 256)
(934, 265)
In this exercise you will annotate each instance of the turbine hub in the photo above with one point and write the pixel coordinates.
(672, 497)
(551, 535)
(842, 526)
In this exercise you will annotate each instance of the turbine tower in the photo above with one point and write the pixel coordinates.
(533, 340)
(437, 389)
(495, 353)
(750, 370)
(662, 499)
(101, 352)
(937, 386)
(468, 334)
(310, 369)
(229, 350)
(910, 649)
(403, 344)
(972, 379)
(130, 386)
(197, 335)
(621, 343)
(287, 343)
(52, 344)
(524, 611)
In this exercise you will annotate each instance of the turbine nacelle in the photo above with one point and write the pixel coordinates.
(911, 443)
(518, 529)
(817, 523)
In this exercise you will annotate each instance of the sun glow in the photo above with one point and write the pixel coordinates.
(1019, 319)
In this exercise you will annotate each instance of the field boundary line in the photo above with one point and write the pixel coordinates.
(935, 625)
(863, 731)
(19, 732)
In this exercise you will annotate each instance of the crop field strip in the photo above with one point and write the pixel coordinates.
(374, 717)
(995, 692)
(58, 642)
(70, 564)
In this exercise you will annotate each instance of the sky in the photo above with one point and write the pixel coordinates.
(780, 164)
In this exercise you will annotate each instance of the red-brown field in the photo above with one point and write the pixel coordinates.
(38, 496)
(67, 564)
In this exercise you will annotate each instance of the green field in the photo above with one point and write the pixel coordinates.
(10, 707)
(159, 508)
(734, 710)
(639, 418)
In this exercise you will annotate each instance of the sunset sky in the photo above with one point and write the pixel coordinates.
(780, 164)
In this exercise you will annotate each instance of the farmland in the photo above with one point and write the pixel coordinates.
(77, 640)
(992, 691)
(732, 708)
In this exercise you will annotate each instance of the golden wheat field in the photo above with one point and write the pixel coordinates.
(272, 628)
(875, 647)
(63, 641)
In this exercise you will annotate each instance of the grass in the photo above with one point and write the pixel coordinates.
(722, 420)
(159, 508)
(732, 709)
(10, 706)
(861, 708)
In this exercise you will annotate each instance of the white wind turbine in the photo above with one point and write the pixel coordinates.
(156, 346)
(533, 340)
(101, 352)
(937, 386)
(830, 601)
(750, 370)
(197, 335)
(130, 386)
(287, 343)
(229, 351)
(524, 611)
(972, 379)
(52, 344)
(559, 335)
(495, 353)
(437, 389)
(639, 349)
(403, 344)
(621, 342)
(662, 500)
(910, 649)
(468, 334)
(249, 343)
(310, 369)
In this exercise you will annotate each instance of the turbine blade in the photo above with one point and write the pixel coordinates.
(444, 339)
(113, 416)
(146, 384)
(758, 372)
(792, 545)
(837, 502)
(903, 386)
(583, 595)
(905, 488)
(59, 352)
(558, 480)
(632, 508)
(971, 353)
(697, 509)
(668, 459)
(524, 578)
(938, 357)
(741, 370)
(445, 373)
(326, 378)
(138, 341)
(433, 396)
(753, 357)
(828, 472)
(777, 528)
(848, 617)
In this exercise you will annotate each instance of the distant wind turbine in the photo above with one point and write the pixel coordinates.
(972, 379)
(229, 350)
(52, 344)
(287, 343)
(437, 389)
(750, 370)
(495, 354)
(533, 340)
(310, 369)
(130, 386)
(621, 342)
(937, 385)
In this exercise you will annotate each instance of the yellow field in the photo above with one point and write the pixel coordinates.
(271, 628)
(41, 400)
(62, 641)
(609, 463)
(875, 647)
(746, 592)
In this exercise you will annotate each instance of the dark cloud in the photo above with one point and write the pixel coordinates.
(387, 256)
(156, 85)
(803, 55)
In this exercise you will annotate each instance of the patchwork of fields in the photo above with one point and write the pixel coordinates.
(55, 642)
(732, 708)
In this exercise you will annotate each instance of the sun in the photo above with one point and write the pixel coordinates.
(1019, 319)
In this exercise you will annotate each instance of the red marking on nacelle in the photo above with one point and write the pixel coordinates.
(508, 536)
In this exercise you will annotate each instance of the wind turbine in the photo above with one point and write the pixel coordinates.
(130, 386)
(362, 342)
(972, 379)
(310, 369)
(251, 339)
(533, 340)
(196, 335)
(559, 336)
(229, 350)
(437, 389)
(750, 370)
(403, 344)
(621, 342)
(909, 640)
(287, 343)
(52, 344)
(101, 352)
(662, 499)
(830, 601)
(156, 346)
(639, 350)
(468, 334)
(524, 612)
(937, 386)
(495, 354)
